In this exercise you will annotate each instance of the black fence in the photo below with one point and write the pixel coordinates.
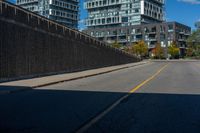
(31, 45)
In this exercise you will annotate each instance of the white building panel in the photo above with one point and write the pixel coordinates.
(142, 6)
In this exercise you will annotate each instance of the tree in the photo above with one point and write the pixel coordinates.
(194, 37)
(158, 51)
(116, 45)
(173, 50)
(128, 49)
(139, 49)
(193, 43)
(189, 52)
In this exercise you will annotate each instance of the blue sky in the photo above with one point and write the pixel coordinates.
(183, 11)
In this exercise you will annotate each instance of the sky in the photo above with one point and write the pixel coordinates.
(183, 11)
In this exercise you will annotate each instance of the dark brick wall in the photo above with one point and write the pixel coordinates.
(31, 46)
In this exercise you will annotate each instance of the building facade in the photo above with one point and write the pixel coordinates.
(65, 12)
(114, 13)
(164, 33)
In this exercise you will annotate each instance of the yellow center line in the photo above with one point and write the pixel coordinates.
(147, 80)
(103, 113)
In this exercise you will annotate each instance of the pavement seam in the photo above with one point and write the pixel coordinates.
(61, 81)
(95, 119)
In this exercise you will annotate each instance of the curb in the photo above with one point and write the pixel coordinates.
(61, 81)
(56, 82)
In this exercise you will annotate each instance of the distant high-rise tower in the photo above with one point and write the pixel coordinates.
(115, 13)
(65, 12)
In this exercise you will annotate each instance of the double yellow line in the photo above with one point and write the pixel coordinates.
(148, 80)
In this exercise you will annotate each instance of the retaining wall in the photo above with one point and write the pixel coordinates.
(31, 45)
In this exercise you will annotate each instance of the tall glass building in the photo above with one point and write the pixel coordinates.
(114, 13)
(130, 21)
(65, 12)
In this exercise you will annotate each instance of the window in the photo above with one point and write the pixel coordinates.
(124, 19)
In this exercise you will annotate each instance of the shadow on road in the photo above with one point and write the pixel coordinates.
(13, 89)
(50, 111)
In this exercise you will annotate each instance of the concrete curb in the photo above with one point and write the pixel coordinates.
(174, 60)
(65, 80)
(90, 75)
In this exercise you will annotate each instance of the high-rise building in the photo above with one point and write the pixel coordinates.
(130, 21)
(164, 33)
(65, 12)
(114, 13)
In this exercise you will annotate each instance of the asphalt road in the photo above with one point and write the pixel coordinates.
(158, 97)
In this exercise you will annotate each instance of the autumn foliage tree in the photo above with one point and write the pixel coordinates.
(139, 48)
(190, 51)
(193, 44)
(173, 50)
(158, 51)
(116, 45)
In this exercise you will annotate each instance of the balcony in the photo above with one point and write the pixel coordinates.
(99, 35)
(181, 40)
(181, 32)
(27, 2)
(152, 39)
(110, 41)
(111, 35)
(182, 47)
(152, 32)
(135, 40)
(171, 30)
(151, 46)
(99, 4)
(104, 21)
(122, 34)
(138, 33)
(159, 2)
(123, 40)
(187, 34)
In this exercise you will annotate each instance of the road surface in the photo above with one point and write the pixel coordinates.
(158, 97)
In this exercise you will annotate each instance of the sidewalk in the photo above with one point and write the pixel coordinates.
(9, 87)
